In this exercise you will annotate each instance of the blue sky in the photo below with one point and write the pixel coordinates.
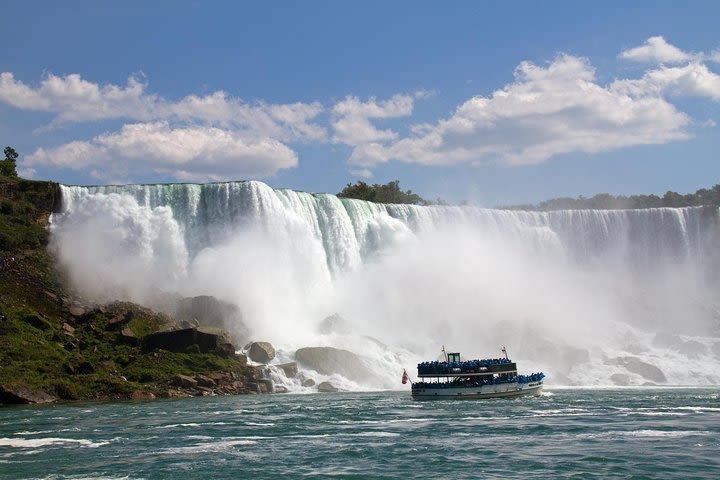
(475, 101)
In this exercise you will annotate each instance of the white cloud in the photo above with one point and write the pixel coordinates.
(693, 79)
(74, 99)
(351, 118)
(656, 50)
(547, 111)
(195, 153)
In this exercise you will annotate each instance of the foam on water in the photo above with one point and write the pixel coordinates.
(581, 294)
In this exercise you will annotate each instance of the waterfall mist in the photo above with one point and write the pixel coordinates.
(591, 297)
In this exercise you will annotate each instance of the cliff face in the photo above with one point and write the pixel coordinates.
(54, 345)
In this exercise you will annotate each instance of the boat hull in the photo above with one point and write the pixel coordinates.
(502, 390)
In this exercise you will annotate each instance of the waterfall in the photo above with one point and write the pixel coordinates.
(566, 288)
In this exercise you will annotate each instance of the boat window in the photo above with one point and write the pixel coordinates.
(453, 357)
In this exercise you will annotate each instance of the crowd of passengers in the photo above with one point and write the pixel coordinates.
(443, 367)
(482, 380)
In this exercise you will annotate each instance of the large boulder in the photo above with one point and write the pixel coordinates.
(184, 381)
(261, 352)
(206, 339)
(290, 369)
(327, 387)
(23, 394)
(644, 369)
(330, 360)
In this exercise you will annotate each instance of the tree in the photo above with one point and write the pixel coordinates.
(8, 167)
(388, 193)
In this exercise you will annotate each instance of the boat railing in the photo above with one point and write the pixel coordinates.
(465, 367)
(481, 381)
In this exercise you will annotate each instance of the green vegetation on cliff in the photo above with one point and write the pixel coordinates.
(53, 345)
(388, 193)
(605, 201)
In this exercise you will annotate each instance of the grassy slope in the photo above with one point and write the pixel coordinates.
(94, 361)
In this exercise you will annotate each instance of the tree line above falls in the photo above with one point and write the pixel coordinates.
(392, 193)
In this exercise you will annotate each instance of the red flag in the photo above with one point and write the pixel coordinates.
(405, 377)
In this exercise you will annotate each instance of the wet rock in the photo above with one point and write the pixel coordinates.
(23, 394)
(266, 385)
(205, 381)
(290, 369)
(620, 379)
(645, 370)
(206, 339)
(261, 352)
(308, 382)
(189, 323)
(76, 311)
(184, 381)
(327, 387)
(329, 360)
(691, 348)
(280, 389)
(140, 395)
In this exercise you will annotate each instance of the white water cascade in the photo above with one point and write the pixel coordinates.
(591, 297)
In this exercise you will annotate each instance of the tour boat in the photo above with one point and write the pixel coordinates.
(472, 379)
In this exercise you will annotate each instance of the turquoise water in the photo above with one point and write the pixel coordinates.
(567, 433)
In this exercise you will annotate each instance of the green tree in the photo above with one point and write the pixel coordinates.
(388, 193)
(8, 166)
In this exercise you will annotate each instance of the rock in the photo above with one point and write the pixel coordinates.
(128, 336)
(646, 370)
(327, 387)
(68, 329)
(184, 381)
(266, 385)
(280, 389)
(691, 348)
(329, 360)
(308, 382)
(140, 395)
(620, 379)
(118, 320)
(261, 352)
(206, 339)
(290, 369)
(189, 324)
(23, 394)
(76, 311)
(51, 296)
(37, 321)
(204, 381)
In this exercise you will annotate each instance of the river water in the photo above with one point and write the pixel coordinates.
(566, 433)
